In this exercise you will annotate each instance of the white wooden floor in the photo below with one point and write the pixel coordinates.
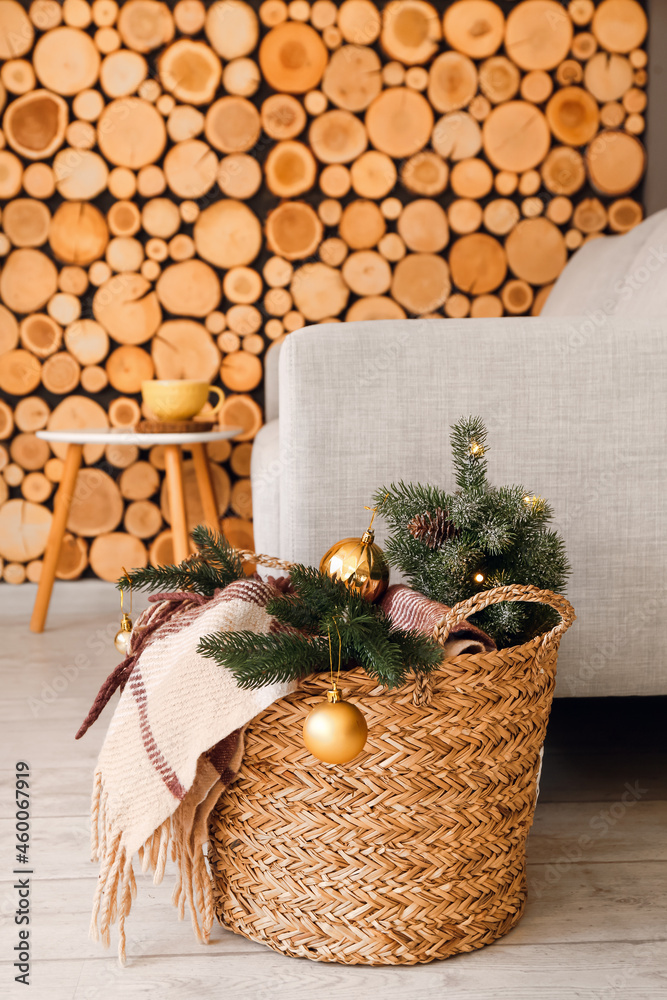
(596, 922)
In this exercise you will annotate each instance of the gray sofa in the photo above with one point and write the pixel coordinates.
(576, 410)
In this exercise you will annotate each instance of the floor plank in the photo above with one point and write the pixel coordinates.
(55, 791)
(574, 902)
(594, 831)
(59, 847)
(61, 918)
(585, 972)
(574, 905)
(49, 743)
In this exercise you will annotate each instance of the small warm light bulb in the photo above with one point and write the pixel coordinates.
(479, 578)
(475, 448)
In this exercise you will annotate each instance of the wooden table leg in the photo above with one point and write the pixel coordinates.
(205, 485)
(175, 492)
(61, 506)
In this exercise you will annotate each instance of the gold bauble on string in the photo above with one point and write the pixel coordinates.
(335, 731)
(123, 636)
(359, 563)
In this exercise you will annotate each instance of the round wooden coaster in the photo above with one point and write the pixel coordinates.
(175, 426)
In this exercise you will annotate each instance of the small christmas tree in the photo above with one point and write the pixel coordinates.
(452, 545)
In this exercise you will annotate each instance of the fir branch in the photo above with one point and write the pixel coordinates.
(419, 651)
(468, 440)
(291, 610)
(400, 502)
(469, 509)
(257, 660)
(381, 657)
(214, 549)
(327, 614)
(190, 575)
(215, 565)
(500, 535)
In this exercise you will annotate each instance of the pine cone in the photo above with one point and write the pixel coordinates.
(433, 529)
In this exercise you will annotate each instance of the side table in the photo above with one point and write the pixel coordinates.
(173, 447)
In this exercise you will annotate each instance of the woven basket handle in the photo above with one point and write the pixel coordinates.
(423, 690)
(247, 555)
(512, 592)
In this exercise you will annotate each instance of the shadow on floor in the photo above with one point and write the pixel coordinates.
(595, 745)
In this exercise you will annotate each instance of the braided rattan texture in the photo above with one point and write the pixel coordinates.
(416, 850)
(247, 555)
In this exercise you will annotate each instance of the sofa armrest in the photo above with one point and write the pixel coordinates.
(271, 382)
(265, 476)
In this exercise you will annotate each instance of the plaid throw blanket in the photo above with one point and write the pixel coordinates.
(175, 741)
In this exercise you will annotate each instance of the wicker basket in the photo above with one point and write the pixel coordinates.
(416, 850)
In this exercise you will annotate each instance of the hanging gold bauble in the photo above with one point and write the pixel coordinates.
(335, 731)
(123, 636)
(359, 563)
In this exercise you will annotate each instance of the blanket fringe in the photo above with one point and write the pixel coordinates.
(117, 887)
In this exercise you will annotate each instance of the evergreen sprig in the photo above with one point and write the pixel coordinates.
(316, 608)
(322, 609)
(502, 536)
(469, 448)
(215, 564)
(256, 660)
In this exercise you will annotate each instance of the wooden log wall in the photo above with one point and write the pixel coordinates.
(184, 184)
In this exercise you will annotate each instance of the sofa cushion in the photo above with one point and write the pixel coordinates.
(616, 276)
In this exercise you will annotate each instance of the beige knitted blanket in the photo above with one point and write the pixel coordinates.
(175, 742)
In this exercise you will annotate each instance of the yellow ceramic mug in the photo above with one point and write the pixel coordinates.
(178, 399)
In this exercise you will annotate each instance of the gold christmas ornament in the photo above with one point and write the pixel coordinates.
(123, 636)
(359, 563)
(335, 731)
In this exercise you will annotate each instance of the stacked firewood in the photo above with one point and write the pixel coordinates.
(182, 185)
